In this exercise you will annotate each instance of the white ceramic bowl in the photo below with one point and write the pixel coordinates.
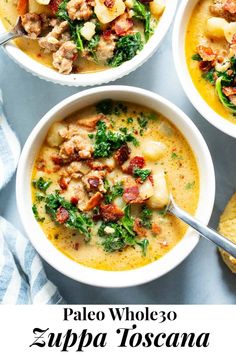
(23, 187)
(101, 77)
(180, 26)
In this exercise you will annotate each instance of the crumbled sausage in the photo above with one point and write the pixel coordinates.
(76, 146)
(63, 59)
(79, 9)
(54, 39)
(90, 122)
(32, 24)
(225, 9)
(105, 48)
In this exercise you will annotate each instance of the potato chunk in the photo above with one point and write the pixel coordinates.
(153, 150)
(160, 197)
(105, 14)
(88, 30)
(230, 31)
(157, 7)
(54, 137)
(146, 190)
(38, 7)
(215, 27)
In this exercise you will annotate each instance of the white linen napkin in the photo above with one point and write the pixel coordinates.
(22, 277)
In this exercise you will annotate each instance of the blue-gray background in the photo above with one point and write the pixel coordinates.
(202, 278)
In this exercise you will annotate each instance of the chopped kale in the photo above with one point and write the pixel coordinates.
(39, 197)
(190, 185)
(142, 12)
(224, 99)
(144, 245)
(127, 221)
(105, 106)
(130, 120)
(145, 216)
(142, 173)
(143, 121)
(41, 184)
(120, 235)
(209, 76)
(36, 213)
(126, 48)
(196, 57)
(76, 220)
(92, 45)
(116, 190)
(107, 141)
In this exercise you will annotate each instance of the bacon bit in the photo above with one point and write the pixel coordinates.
(138, 228)
(40, 165)
(93, 182)
(107, 34)
(64, 182)
(109, 3)
(131, 195)
(94, 201)
(74, 200)
(123, 24)
(54, 5)
(139, 180)
(22, 7)
(135, 162)
(151, 179)
(122, 154)
(111, 212)
(76, 246)
(228, 91)
(39, 55)
(156, 228)
(206, 53)
(230, 6)
(57, 160)
(205, 65)
(62, 215)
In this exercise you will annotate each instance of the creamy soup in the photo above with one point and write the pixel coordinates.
(79, 36)
(210, 53)
(101, 183)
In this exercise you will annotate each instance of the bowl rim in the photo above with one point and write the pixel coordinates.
(178, 50)
(91, 276)
(100, 77)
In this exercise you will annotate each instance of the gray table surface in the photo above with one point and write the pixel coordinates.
(202, 278)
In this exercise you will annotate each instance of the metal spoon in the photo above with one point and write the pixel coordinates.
(203, 230)
(17, 31)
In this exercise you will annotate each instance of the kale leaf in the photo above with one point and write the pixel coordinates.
(105, 106)
(145, 216)
(196, 57)
(116, 190)
(76, 220)
(224, 99)
(41, 184)
(107, 141)
(142, 173)
(209, 76)
(36, 213)
(126, 48)
(142, 12)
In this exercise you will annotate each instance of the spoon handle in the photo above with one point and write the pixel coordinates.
(5, 37)
(205, 231)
